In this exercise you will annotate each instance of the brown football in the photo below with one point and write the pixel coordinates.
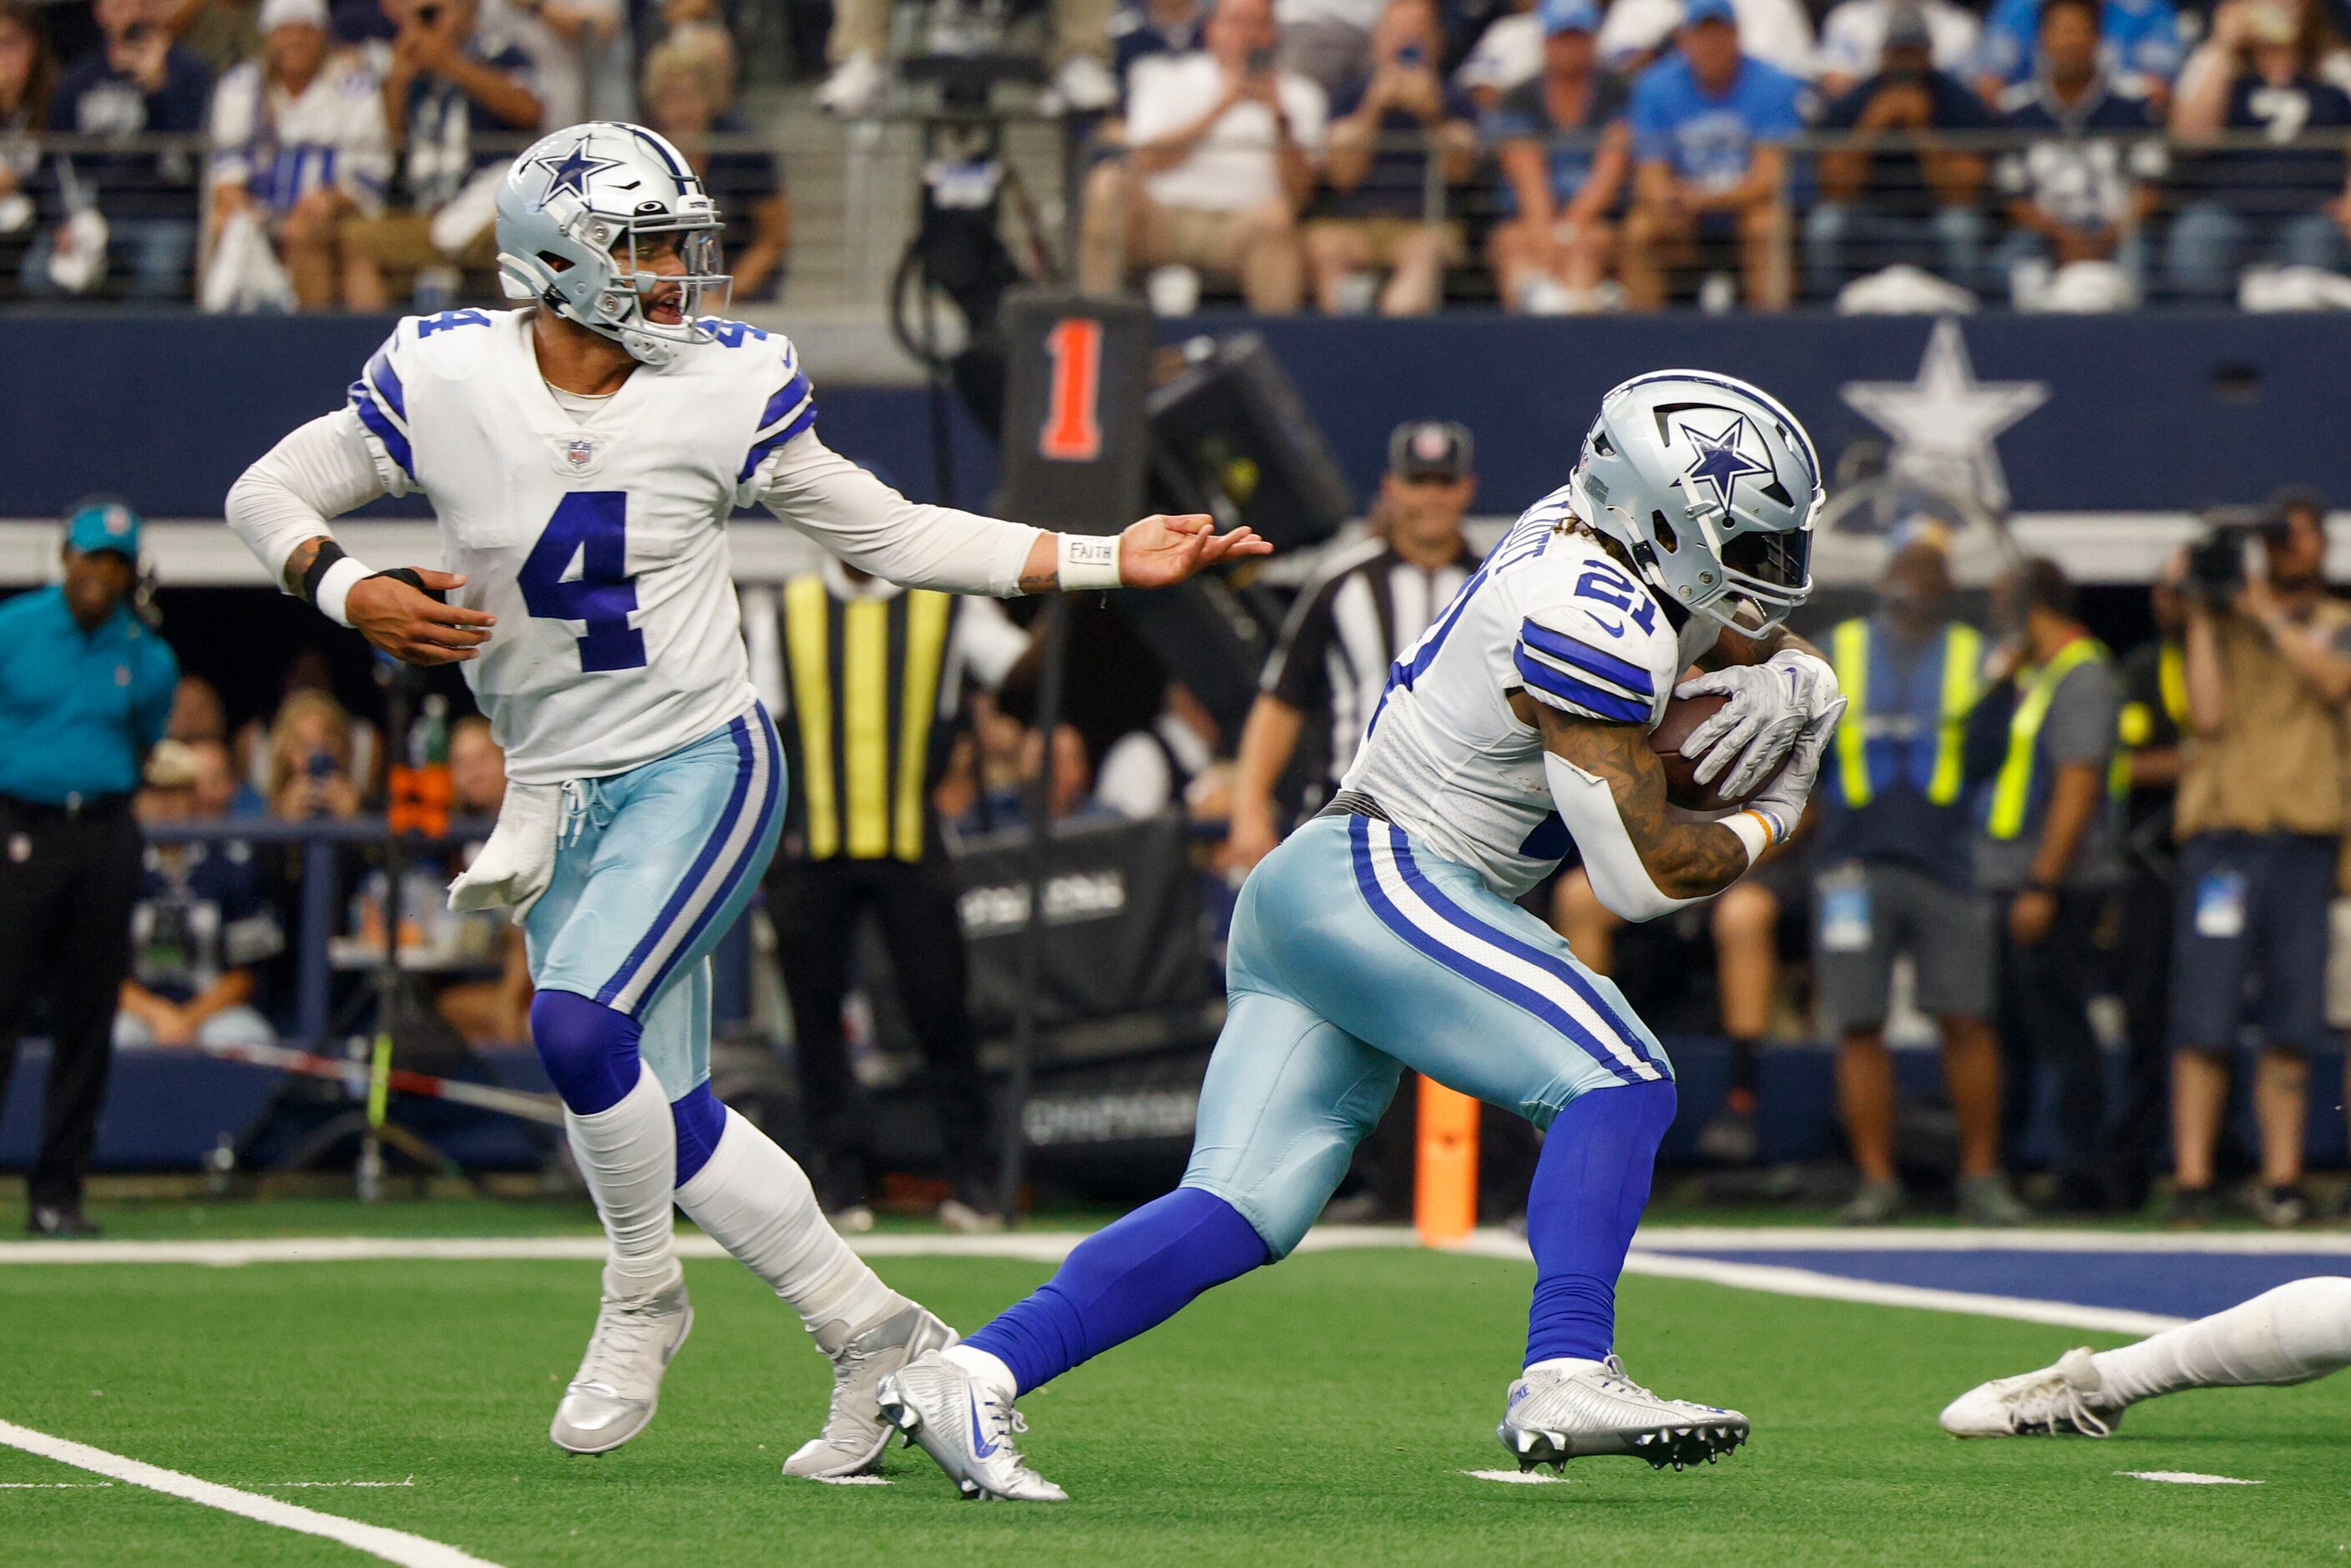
(1683, 715)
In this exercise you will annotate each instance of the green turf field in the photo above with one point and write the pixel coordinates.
(1323, 1411)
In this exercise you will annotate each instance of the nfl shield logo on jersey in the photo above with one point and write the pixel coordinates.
(578, 456)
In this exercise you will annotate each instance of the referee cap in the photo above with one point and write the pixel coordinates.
(1430, 449)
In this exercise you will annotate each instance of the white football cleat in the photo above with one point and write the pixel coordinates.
(1589, 1408)
(620, 1378)
(965, 1428)
(2070, 1396)
(854, 1432)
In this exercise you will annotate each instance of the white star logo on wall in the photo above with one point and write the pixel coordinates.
(1945, 425)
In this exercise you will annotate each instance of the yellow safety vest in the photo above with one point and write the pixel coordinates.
(864, 679)
(2136, 727)
(1962, 665)
(2012, 790)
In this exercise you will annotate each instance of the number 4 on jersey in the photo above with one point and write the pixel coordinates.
(591, 527)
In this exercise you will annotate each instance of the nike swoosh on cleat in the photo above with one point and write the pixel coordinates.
(981, 1447)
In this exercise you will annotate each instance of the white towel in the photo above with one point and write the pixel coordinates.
(514, 867)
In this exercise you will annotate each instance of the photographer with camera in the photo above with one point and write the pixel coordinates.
(2260, 820)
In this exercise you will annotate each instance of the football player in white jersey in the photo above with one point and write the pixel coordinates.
(1383, 933)
(582, 454)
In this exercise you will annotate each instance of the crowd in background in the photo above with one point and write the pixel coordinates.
(348, 154)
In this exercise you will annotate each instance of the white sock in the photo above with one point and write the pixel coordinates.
(2300, 1330)
(756, 1202)
(628, 1155)
(1565, 1365)
(994, 1377)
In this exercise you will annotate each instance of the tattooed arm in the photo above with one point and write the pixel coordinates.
(1610, 788)
(1739, 648)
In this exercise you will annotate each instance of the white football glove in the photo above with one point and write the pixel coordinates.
(1744, 740)
(1784, 796)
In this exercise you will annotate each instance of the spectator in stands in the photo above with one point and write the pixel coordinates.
(1328, 42)
(219, 792)
(565, 41)
(2258, 76)
(2083, 189)
(197, 711)
(132, 212)
(1386, 131)
(28, 73)
(2260, 815)
(1172, 766)
(1349, 626)
(2152, 730)
(1155, 28)
(1896, 193)
(1222, 149)
(200, 930)
(1709, 128)
(298, 144)
(1854, 39)
(860, 47)
(2139, 42)
(1896, 880)
(2048, 856)
(685, 101)
(310, 772)
(1638, 32)
(1565, 151)
(223, 34)
(446, 87)
(1508, 52)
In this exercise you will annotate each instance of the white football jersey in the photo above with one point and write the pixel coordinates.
(1551, 614)
(597, 539)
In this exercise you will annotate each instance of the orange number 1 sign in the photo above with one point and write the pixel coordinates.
(1072, 431)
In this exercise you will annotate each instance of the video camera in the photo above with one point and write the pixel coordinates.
(2217, 562)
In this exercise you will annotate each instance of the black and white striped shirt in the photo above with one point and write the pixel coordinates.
(1346, 629)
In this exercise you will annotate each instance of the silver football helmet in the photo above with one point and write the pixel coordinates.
(1711, 486)
(578, 214)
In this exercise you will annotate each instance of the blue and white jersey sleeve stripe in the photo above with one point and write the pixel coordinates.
(1569, 673)
(790, 410)
(381, 401)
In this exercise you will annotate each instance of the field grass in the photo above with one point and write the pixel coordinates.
(1323, 1411)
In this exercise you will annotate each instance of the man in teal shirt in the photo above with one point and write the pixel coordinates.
(86, 689)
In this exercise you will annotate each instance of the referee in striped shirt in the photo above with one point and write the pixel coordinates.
(873, 675)
(1370, 604)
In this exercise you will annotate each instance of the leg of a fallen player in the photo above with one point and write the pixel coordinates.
(2297, 1332)
(621, 1133)
(1590, 1184)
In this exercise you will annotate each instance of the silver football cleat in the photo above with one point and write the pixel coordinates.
(854, 1432)
(618, 1384)
(1559, 1414)
(965, 1428)
(2070, 1396)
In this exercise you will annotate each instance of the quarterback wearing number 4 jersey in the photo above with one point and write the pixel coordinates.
(582, 454)
(1382, 935)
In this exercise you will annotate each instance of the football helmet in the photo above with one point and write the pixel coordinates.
(1711, 486)
(576, 214)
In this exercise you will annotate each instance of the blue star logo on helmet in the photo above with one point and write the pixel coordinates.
(573, 171)
(1720, 462)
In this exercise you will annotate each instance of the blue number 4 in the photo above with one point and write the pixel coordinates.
(1614, 588)
(592, 527)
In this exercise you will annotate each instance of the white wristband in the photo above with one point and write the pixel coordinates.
(1085, 561)
(335, 586)
(1758, 829)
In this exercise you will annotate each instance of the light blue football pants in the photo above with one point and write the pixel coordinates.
(1353, 956)
(651, 868)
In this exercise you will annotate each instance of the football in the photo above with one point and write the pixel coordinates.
(1682, 787)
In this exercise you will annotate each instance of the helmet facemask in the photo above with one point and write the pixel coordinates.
(624, 309)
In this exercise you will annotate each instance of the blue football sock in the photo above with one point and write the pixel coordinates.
(1590, 1185)
(1125, 1278)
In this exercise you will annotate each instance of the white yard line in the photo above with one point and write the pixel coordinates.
(1897, 1239)
(391, 1545)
